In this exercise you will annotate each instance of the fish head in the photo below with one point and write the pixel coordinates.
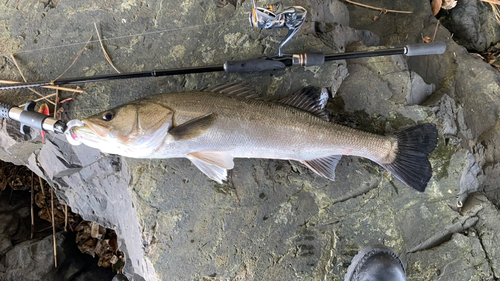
(135, 129)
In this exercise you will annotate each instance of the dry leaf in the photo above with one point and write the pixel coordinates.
(449, 4)
(40, 200)
(66, 100)
(94, 230)
(88, 247)
(427, 39)
(118, 265)
(375, 18)
(113, 260)
(102, 247)
(436, 6)
(113, 242)
(104, 260)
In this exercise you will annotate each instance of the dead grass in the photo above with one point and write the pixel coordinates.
(495, 6)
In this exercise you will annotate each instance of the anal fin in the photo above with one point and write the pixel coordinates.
(325, 166)
(214, 164)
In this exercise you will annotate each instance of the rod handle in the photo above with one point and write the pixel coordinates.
(308, 59)
(252, 65)
(4, 109)
(434, 48)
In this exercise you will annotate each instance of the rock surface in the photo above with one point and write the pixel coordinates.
(273, 220)
(473, 24)
(33, 260)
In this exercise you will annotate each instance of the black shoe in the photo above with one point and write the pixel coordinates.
(376, 263)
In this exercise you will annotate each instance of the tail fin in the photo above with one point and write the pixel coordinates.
(411, 165)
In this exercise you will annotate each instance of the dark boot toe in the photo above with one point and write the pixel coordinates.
(376, 263)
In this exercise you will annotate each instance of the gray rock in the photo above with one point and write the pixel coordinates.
(9, 223)
(446, 110)
(462, 258)
(473, 24)
(120, 277)
(5, 243)
(420, 91)
(34, 260)
(487, 227)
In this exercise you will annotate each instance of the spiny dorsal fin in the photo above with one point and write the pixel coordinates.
(239, 89)
(214, 164)
(192, 128)
(325, 166)
(310, 99)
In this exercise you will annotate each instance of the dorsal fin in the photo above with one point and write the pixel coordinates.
(239, 89)
(311, 99)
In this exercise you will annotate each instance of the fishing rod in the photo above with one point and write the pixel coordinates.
(250, 65)
(266, 17)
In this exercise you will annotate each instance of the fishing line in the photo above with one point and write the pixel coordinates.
(126, 36)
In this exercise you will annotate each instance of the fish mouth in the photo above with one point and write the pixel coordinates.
(79, 132)
(95, 129)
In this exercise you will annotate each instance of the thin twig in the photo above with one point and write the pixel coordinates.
(32, 207)
(435, 31)
(41, 185)
(53, 227)
(49, 96)
(494, 7)
(55, 105)
(42, 230)
(43, 97)
(65, 218)
(74, 59)
(104, 51)
(378, 9)
(497, 2)
(496, 10)
(48, 87)
(24, 78)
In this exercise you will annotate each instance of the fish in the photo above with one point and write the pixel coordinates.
(213, 126)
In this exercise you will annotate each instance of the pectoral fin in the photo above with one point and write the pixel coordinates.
(193, 128)
(213, 163)
(325, 166)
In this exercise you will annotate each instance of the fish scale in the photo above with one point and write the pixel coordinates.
(269, 130)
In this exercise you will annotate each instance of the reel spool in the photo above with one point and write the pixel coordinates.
(276, 16)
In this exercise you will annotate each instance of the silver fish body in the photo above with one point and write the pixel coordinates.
(211, 129)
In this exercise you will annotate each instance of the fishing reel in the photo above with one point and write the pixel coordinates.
(276, 16)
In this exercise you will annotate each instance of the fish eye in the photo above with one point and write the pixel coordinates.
(108, 116)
